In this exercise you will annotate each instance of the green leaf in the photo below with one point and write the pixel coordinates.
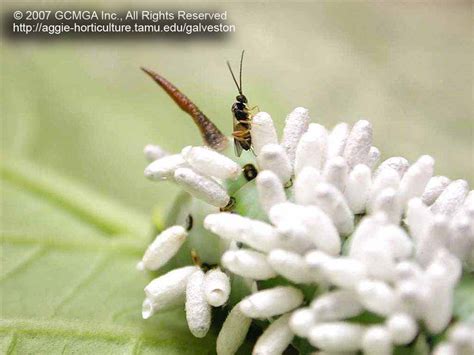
(68, 277)
(246, 202)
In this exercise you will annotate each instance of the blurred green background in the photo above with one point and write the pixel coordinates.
(76, 115)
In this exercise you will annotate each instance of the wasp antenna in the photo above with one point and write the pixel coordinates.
(240, 77)
(233, 77)
(211, 135)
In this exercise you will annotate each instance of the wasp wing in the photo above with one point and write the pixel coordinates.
(237, 146)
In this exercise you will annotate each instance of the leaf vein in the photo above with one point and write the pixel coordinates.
(12, 344)
(79, 202)
(37, 253)
(137, 347)
(83, 329)
(93, 272)
(123, 246)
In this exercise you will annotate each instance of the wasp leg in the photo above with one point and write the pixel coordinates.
(195, 258)
(253, 109)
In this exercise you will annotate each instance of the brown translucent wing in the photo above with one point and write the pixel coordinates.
(237, 146)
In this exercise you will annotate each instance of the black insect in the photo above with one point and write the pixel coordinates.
(241, 116)
(250, 172)
(189, 222)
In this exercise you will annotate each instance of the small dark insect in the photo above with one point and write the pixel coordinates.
(250, 172)
(241, 116)
(211, 134)
(189, 222)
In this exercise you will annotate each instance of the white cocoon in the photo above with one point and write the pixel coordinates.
(365, 233)
(315, 260)
(434, 188)
(198, 311)
(296, 124)
(388, 202)
(445, 348)
(373, 158)
(304, 187)
(344, 272)
(358, 144)
(202, 187)
(337, 140)
(233, 332)
(451, 198)
(399, 164)
(164, 168)
(311, 149)
(358, 187)
(460, 335)
(216, 287)
(167, 290)
(414, 181)
(257, 234)
(336, 337)
(211, 163)
(435, 237)
(377, 297)
(271, 302)
(306, 224)
(290, 265)
(226, 225)
(438, 305)
(397, 240)
(164, 247)
(301, 321)
(333, 203)
(408, 269)
(402, 328)
(461, 240)
(273, 157)
(248, 263)
(270, 190)
(263, 131)
(275, 339)
(153, 152)
(378, 259)
(336, 305)
(264, 237)
(377, 341)
(418, 218)
(335, 172)
(387, 178)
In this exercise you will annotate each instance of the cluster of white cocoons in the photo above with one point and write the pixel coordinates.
(411, 233)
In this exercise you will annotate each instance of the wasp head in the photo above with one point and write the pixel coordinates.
(241, 98)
